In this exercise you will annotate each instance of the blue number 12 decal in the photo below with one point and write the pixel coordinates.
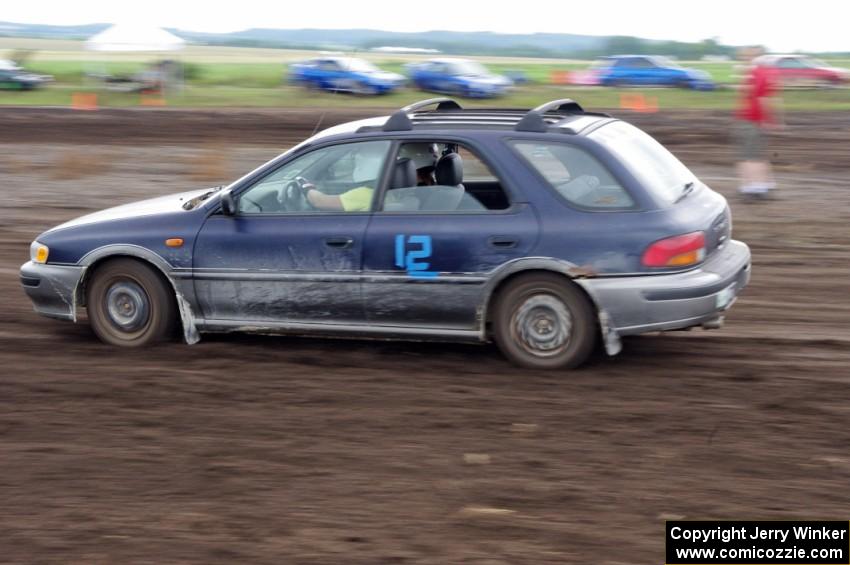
(409, 258)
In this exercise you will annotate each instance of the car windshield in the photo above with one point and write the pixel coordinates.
(469, 68)
(658, 170)
(812, 63)
(666, 62)
(358, 66)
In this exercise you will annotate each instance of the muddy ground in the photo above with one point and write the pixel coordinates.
(293, 450)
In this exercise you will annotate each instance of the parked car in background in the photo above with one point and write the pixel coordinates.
(344, 74)
(13, 77)
(648, 70)
(460, 77)
(799, 70)
(156, 76)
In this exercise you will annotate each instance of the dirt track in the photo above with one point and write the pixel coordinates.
(249, 449)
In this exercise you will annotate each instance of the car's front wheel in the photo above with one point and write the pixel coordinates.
(543, 321)
(129, 304)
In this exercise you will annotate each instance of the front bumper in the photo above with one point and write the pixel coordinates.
(650, 303)
(52, 288)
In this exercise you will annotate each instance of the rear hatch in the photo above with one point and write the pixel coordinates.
(688, 217)
(702, 210)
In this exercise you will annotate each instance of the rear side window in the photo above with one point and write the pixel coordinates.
(473, 168)
(658, 170)
(442, 176)
(576, 175)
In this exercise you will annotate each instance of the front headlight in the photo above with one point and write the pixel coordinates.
(38, 252)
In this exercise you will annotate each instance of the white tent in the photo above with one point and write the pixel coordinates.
(139, 38)
(131, 37)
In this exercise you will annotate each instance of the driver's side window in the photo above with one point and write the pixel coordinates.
(350, 171)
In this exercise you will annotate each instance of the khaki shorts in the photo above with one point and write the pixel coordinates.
(751, 141)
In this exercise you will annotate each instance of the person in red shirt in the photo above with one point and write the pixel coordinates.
(758, 111)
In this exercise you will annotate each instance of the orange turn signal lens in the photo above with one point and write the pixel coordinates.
(174, 242)
(41, 254)
(689, 258)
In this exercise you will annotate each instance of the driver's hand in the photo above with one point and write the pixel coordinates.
(307, 187)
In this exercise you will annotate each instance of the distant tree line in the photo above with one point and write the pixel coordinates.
(544, 45)
(617, 45)
(627, 45)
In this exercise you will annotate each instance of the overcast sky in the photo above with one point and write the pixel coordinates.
(813, 25)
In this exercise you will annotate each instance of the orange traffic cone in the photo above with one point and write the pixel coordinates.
(84, 101)
(637, 102)
(154, 98)
(559, 77)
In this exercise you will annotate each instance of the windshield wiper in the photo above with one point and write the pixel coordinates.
(189, 204)
(687, 189)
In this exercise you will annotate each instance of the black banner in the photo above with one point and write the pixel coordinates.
(758, 543)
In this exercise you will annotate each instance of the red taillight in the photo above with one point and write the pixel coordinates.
(678, 251)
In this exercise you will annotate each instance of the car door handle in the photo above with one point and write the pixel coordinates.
(339, 242)
(501, 242)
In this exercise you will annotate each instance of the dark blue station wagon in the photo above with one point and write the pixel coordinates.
(545, 230)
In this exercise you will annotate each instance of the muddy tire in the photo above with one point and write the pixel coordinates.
(129, 304)
(544, 321)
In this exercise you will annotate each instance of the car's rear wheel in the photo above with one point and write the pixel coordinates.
(129, 304)
(543, 321)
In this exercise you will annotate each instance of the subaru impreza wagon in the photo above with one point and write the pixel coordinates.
(547, 231)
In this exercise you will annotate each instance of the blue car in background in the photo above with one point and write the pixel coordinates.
(646, 70)
(344, 74)
(460, 77)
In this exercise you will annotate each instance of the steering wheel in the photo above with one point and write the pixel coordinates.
(293, 197)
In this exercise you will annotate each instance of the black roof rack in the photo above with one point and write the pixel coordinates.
(449, 113)
(533, 120)
(400, 120)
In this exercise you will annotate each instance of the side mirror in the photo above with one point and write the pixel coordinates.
(228, 204)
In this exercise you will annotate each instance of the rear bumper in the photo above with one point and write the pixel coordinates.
(52, 288)
(649, 303)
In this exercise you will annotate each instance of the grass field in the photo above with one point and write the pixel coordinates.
(248, 77)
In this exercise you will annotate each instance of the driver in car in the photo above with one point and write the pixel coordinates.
(355, 200)
(367, 165)
(360, 199)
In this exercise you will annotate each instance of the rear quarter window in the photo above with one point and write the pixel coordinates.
(577, 176)
(659, 172)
